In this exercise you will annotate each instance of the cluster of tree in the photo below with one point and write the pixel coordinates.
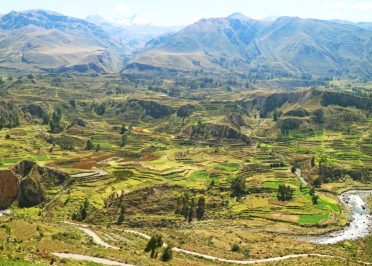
(100, 109)
(123, 131)
(83, 212)
(90, 146)
(238, 187)
(55, 122)
(289, 124)
(318, 116)
(116, 201)
(155, 242)
(285, 193)
(314, 197)
(186, 206)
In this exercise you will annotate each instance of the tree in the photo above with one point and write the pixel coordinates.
(123, 141)
(317, 182)
(123, 130)
(121, 216)
(82, 214)
(190, 215)
(312, 162)
(167, 253)
(315, 199)
(285, 193)
(84, 210)
(90, 145)
(153, 244)
(55, 122)
(238, 187)
(319, 116)
(101, 109)
(200, 210)
(98, 147)
(275, 116)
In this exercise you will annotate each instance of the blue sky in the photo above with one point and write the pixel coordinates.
(183, 12)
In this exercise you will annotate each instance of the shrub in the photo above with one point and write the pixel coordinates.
(167, 253)
(235, 248)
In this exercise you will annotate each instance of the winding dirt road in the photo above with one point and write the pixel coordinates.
(89, 258)
(101, 242)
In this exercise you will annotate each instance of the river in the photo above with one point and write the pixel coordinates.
(360, 223)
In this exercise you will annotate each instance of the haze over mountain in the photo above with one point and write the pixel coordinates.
(285, 46)
(129, 32)
(42, 40)
(49, 41)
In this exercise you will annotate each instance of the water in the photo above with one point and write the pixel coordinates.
(4, 212)
(361, 220)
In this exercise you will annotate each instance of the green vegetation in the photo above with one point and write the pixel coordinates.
(179, 166)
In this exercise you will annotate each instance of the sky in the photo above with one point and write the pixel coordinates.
(184, 12)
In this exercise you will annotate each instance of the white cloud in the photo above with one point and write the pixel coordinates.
(138, 20)
(335, 5)
(121, 8)
(364, 6)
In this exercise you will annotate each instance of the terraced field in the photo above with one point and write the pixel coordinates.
(147, 166)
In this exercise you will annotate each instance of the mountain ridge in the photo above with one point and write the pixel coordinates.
(42, 40)
(286, 46)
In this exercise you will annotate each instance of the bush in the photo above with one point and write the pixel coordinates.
(285, 193)
(235, 248)
(167, 253)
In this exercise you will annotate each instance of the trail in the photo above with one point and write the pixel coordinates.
(89, 258)
(95, 237)
(99, 241)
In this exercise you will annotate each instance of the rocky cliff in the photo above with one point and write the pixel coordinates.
(27, 183)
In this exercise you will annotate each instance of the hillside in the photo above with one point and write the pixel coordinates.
(39, 40)
(287, 46)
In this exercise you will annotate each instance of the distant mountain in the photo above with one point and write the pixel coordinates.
(284, 46)
(133, 35)
(40, 40)
(363, 25)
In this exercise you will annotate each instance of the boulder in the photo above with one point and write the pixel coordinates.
(9, 188)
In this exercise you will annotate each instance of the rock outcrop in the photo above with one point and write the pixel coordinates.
(235, 120)
(141, 108)
(215, 131)
(8, 115)
(27, 182)
(9, 188)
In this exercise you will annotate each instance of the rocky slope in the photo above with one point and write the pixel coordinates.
(27, 183)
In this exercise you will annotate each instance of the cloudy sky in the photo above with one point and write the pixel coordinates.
(183, 12)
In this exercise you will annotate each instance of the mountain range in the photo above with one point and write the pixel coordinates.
(40, 40)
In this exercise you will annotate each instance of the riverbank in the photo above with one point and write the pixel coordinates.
(360, 219)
